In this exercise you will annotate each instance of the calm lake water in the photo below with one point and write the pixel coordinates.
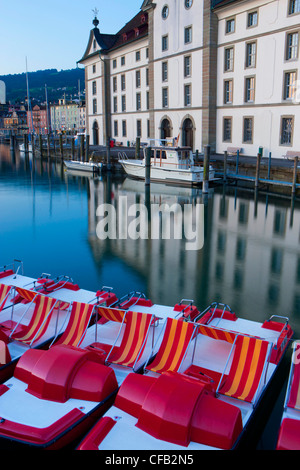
(250, 259)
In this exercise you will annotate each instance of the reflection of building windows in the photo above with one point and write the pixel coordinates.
(240, 253)
(279, 226)
(273, 294)
(238, 279)
(221, 244)
(219, 271)
(276, 261)
(223, 212)
(243, 213)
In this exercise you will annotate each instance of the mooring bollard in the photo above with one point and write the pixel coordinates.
(61, 146)
(295, 176)
(148, 166)
(206, 169)
(225, 166)
(87, 147)
(137, 148)
(257, 170)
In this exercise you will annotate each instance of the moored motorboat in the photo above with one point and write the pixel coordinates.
(168, 165)
(90, 166)
(202, 386)
(289, 433)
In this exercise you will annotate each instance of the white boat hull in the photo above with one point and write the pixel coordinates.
(83, 166)
(191, 176)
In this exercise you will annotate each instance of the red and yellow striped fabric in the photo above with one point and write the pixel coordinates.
(4, 291)
(246, 368)
(39, 321)
(134, 339)
(294, 396)
(28, 295)
(78, 323)
(112, 314)
(217, 333)
(175, 342)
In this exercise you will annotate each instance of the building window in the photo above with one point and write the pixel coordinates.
(147, 77)
(230, 26)
(187, 66)
(147, 53)
(188, 35)
(165, 97)
(124, 128)
(187, 95)
(228, 91)
(94, 86)
(294, 7)
(148, 128)
(123, 60)
(290, 85)
(292, 46)
(138, 56)
(123, 103)
(227, 129)
(94, 106)
(148, 100)
(188, 3)
(165, 12)
(115, 104)
(164, 71)
(287, 125)
(123, 83)
(252, 19)
(138, 79)
(251, 54)
(115, 63)
(116, 128)
(228, 63)
(115, 88)
(139, 128)
(138, 101)
(165, 43)
(94, 68)
(248, 130)
(250, 89)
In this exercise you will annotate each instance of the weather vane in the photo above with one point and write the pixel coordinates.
(95, 11)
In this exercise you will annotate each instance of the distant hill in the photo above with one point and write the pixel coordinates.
(58, 84)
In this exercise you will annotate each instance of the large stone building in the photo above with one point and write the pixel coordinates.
(223, 73)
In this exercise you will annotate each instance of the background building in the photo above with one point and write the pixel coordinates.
(223, 73)
(67, 116)
(2, 92)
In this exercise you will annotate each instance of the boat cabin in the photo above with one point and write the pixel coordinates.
(173, 157)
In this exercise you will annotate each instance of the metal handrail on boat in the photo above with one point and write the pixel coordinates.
(214, 305)
(190, 303)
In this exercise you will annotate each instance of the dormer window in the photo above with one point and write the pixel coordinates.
(125, 37)
(143, 19)
(136, 32)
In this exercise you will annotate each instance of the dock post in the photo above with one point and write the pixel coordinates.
(87, 147)
(73, 148)
(61, 146)
(257, 170)
(148, 166)
(26, 143)
(81, 148)
(237, 162)
(41, 144)
(137, 148)
(12, 142)
(269, 165)
(48, 144)
(225, 167)
(295, 176)
(206, 169)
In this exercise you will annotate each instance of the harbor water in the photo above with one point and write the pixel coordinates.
(250, 258)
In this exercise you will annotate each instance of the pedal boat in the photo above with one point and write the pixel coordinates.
(203, 387)
(56, 395)
(289, 433)
(34, 318)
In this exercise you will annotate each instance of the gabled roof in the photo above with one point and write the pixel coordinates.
(135, 29)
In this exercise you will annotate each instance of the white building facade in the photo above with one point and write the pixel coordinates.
(219, 73)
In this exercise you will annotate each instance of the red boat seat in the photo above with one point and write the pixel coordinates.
(64, 372)
(216, 313)
(246, 370)
(188, 311)
(176, 339)
(77, 325)
(4, 292)
(106, 296)
(294, 393)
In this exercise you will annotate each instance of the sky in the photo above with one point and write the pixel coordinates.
(54, 34)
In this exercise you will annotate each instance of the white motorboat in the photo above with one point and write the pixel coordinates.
(169, 164)
(83, 166)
